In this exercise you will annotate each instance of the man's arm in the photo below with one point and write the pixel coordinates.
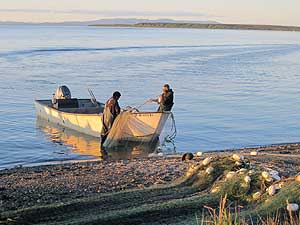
(159, 99)
(111, 106)
(117, 108)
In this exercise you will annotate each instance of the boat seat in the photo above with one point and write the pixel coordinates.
(66, 103)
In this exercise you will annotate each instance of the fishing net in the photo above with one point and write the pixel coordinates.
(129, 126)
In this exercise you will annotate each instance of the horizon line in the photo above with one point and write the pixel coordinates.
(134, 18)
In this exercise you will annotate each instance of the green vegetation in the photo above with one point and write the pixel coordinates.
(226, 215)
(208, 26)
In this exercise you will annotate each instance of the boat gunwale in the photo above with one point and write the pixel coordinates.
(92, 114)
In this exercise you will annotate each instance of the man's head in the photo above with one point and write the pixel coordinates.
(166, 88)
(116, 95)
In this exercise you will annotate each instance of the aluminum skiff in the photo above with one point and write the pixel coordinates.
(87, 118)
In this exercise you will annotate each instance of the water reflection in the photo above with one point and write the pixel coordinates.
(86, 145)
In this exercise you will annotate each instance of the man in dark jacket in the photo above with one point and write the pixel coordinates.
(110, 113)
(166, 99)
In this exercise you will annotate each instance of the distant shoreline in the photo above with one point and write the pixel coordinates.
(206, 26)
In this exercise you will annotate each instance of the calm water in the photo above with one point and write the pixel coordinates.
(233, 88)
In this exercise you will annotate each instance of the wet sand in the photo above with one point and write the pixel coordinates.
(25, 187)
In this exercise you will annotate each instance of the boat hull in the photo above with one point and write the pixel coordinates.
(129, 127)
(90, 124)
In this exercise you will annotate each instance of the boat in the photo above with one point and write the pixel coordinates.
(85, 116)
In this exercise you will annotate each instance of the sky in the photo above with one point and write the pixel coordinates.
(277, 12)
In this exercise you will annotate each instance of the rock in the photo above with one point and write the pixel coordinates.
(152, 155)
(206, 161)
(273, 172)
(297, 178)
(187, 156)
(292, 207)
(199, 154)
(276, 177)
(160, 154)
(237, 157)
(253, 153)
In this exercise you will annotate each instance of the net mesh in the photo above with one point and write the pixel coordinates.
(136, 127)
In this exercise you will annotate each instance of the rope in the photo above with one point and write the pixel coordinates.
(146, 102)
(173, 133)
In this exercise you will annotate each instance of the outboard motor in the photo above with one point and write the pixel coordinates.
(62, 92)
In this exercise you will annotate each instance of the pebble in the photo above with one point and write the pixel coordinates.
(237, 157)
(199, 154)
(276, 177)
(253, 153)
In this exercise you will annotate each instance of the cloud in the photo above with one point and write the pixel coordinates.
(25, 10)
(109, 13)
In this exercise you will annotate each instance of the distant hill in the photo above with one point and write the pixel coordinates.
(109, 21)
(208, 26)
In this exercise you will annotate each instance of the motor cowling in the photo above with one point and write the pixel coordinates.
(62, 92)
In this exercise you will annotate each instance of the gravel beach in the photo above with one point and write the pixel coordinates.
(25, 187)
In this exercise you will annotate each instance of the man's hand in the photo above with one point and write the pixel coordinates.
(153, 100)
